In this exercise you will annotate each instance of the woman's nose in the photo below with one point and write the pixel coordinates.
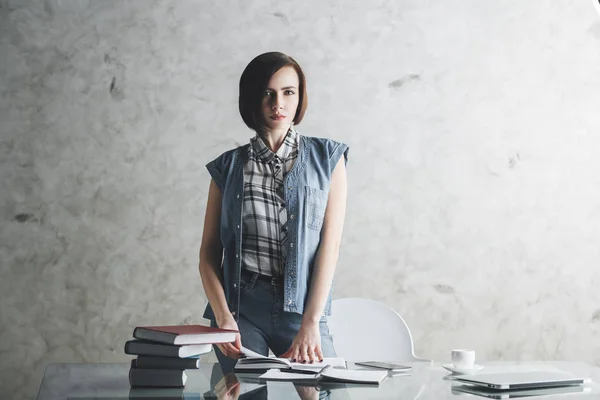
(277, 104)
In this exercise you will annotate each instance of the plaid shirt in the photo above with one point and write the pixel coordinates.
(264, 214)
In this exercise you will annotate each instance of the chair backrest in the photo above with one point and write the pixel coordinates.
(367, 330)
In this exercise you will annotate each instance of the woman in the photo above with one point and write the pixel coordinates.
(273, 224)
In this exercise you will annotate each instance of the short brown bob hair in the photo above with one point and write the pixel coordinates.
(254, 81)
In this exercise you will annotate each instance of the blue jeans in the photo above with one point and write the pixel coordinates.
(262, 322)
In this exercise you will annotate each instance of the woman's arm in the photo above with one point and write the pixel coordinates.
(307, 344)
(329, 249)
(211, 255)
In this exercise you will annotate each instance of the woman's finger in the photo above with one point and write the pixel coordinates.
(303, 356)
(295, 354)
(233, 351)
(238, 342)
(228, 350)
(310, 354)
(319, 353)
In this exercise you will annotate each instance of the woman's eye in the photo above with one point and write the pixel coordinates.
(289, 92)
(267, 93)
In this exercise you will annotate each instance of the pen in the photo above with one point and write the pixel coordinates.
(321, 371)
(299, 371)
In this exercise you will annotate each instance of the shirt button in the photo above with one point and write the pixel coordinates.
(292, 216)
(238, 196)
(237, 256)
(238, 227)
(291, 244)
(235, 285)
(233, 313)
(289, 302)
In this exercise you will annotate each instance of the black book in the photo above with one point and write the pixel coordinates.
(152, 362)
(140, 377)
(146, 348)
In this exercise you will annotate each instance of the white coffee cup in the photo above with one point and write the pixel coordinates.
(463, 358)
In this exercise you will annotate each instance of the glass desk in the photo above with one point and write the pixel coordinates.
(428, 381)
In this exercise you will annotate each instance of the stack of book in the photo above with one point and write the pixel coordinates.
(165, 352)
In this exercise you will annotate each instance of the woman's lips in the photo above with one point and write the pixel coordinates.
(277, 117)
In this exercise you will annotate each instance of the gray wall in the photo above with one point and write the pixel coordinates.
(473, 174)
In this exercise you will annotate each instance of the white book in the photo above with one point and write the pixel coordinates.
(262, 363)
(255, 361)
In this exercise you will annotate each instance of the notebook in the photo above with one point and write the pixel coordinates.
(253, 361)
(264, 363)
(522, 380)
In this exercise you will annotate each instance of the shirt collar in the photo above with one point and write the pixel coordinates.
(266, 155)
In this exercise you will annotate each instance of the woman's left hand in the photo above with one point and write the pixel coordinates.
(306, 346)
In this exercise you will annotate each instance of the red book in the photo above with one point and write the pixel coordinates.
(185, 334)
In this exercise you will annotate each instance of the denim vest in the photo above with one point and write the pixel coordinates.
(306, 190)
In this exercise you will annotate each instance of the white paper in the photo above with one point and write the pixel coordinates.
(333, 361)
(250, 353)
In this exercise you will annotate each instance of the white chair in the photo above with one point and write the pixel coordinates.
(367, 330)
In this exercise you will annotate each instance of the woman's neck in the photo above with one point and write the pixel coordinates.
(274, 138)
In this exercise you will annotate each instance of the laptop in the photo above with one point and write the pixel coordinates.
(521, 380)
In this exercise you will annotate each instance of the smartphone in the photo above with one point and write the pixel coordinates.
(384, 365)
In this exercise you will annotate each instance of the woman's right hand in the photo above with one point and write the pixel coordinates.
(233, 349)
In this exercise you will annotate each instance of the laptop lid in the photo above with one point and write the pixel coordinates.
(522, 380)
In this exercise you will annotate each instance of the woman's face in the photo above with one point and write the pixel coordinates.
(280, 99)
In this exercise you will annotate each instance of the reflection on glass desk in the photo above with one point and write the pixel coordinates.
(514, 394)
(427, 381)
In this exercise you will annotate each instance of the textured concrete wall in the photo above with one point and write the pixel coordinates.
(473, 201)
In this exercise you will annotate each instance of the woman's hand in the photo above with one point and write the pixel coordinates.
(306, 346)
(233, 349)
